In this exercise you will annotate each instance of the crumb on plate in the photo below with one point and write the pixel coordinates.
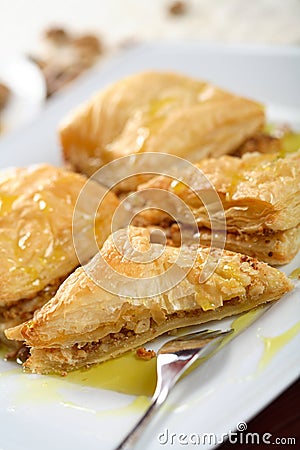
(143, 353)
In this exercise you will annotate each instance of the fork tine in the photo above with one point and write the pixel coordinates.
(192, 341)
(201, 334)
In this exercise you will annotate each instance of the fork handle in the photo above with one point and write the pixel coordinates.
(132, 437)
(163, 388)
(170, 367)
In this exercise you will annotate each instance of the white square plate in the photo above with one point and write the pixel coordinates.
(46, 412)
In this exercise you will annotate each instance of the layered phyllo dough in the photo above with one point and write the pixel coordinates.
(260, 196)
(36, 234)
(157, 112)
(85, 324)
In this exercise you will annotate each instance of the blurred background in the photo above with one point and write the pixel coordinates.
(51, 32)
(262, 21)
(45, 45)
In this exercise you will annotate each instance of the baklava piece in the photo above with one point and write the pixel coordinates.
(157, 112)
(260, 195)
(85, 324)
(36, 235)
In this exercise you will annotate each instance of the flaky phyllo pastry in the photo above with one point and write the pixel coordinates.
(260, 195)
(84, 324)
(158, 112)
(36, 242)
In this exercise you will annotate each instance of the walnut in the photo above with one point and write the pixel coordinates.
(88, 43)
(262, 143)
(177, 8)
(4, 95)
(66, 56)
(57, 35)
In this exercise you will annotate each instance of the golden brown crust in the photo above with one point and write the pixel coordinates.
(157, 111)
(259, 193)
(36, 241)
(59, 328)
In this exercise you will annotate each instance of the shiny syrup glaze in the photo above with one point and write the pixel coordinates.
(130, 375)
(272, 345)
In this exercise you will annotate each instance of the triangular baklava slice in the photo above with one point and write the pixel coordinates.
(36, 234)
(260, 195)
(85, 324)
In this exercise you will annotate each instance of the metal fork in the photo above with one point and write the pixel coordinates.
(173, 360)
